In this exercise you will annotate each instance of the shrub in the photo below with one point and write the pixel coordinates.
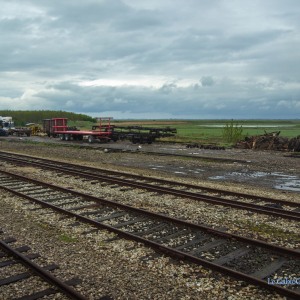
(232, 132)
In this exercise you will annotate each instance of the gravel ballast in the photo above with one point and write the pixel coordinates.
(119, 268)
(125, 269)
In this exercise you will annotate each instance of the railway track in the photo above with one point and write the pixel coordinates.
(18, 256)
(252, 261)
(262, 205)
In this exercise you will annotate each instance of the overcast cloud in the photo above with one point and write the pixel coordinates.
(152, 58)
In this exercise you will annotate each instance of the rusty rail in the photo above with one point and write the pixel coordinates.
(41, 272)
(289, 253)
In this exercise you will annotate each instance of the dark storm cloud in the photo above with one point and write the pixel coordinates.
(182, 58)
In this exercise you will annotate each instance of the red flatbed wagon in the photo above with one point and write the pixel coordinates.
(58, 127)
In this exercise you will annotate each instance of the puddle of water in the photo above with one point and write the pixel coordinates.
(280, 174)
(279, 180)
(172, 149)
(217, 177)
(252, 175)
(153, 167)
(292, 185)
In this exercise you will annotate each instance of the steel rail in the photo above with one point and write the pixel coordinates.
(291, 215)
(47, 276)
(165, 249)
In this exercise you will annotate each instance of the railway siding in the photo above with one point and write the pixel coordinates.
(256, 261)
(129, 267)
(275, 230)
(23, 278)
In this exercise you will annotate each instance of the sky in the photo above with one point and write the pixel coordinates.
(154, 59)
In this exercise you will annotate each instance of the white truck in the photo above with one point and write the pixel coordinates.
(6, 122)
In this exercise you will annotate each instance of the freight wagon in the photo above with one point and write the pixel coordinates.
(58, 127)
(140, 134)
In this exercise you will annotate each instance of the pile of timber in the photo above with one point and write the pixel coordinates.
(270, 141)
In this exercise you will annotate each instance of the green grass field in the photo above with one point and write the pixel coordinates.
(210, 131)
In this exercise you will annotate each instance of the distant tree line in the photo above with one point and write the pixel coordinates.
(22, 117)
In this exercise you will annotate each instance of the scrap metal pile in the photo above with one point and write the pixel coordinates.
(270, 141)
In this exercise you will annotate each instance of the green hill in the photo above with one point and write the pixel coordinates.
(21, 117)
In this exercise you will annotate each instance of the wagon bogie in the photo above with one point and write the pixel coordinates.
(68, 137)
(91, 139)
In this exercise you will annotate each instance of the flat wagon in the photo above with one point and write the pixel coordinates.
(58, 127)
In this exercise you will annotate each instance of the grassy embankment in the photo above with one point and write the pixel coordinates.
(210, 131)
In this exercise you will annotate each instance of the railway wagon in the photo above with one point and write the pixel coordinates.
(140, 134)
(58, 127)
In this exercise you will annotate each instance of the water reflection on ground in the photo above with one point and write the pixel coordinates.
(279, 180)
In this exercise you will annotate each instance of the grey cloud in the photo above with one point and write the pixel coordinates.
(207, 81)
(209, 58)
(183, 101)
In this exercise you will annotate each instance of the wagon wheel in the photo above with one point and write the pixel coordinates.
(91, 139)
